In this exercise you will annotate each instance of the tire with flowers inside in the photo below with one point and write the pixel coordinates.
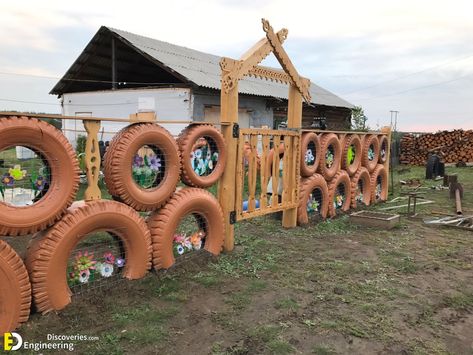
(313, 198)
(379, 184)
(370, 152)
(331, 154)
(203, 153)
(142, 166)
(49, 251)
(339, 190)
(58, 185)
(310, 153)
(361, 188)
(351, 154)
(164, 223)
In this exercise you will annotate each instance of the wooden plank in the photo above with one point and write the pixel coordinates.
(275, 171)
(92, 161)
(240, 179)
(269, 132)
(286, 169)
(252, 171)
(110, 119)
(264, 178)
(297, 160)
(227, 183)
(294, 120)
(260, 212)
(340, 132)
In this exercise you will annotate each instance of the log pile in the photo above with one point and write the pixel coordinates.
(454, 146)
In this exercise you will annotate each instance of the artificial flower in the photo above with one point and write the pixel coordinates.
(120, 262)
(84, 276)
(39, 183)
(109, 258)
(328, 159)
(137, 161)
(187, 244)
(210, 165)
(309, 157)
(17, 173)
(180, 249)
(85, 261)
(179, 238)
(196, 240)
(350, 155)
(106, 269)
(370, 154)
(8, 180)
(198, 154)
(154, 163)
(215, 156)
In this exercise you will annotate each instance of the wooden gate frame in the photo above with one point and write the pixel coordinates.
(232, 71)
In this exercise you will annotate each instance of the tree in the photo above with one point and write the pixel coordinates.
(358, 119)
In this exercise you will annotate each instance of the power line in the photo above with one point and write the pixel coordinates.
(67, 104)
(409, 75)
(416, 88)
(84, 80)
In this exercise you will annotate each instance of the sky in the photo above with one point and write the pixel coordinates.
(415, 57)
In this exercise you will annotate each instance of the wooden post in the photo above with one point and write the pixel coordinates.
(387, 165)
(294, 120)
(92, 161)
(226, 186)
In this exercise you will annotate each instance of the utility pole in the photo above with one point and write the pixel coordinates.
(391, 163)
(394, 114)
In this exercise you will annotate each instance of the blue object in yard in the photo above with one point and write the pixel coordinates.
(245, 205)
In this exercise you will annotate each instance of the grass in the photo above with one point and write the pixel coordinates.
(324, 289)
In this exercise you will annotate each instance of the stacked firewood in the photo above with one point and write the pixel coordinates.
(454, 146)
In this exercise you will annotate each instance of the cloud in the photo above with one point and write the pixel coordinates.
(344, 46)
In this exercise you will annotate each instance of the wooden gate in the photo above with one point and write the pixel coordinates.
(267, 172)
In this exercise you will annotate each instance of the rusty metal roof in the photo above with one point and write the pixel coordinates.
(203, 70)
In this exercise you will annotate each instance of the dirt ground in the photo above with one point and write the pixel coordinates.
(331, 288)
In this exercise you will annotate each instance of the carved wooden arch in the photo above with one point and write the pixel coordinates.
(233, 70)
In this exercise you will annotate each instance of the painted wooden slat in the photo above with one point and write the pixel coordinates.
(275, 170)
(264, 178)
(252, 171)
(240, 175)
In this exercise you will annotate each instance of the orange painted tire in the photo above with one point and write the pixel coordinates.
(383, 149)
(163, 224)
(269, 159)
(50, 143)
(330, 144)
(353, 141)
(186, 142)
(341, 179)
(309, 141)
(49, 251)
(118, 163)
(362, 177)
(379, 184)
(313, 183)
(370, 152)
(15, 290)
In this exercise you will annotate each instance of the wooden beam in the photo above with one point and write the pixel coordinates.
(294, 120)
(227, 183)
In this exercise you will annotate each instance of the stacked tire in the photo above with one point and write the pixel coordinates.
(340, 171)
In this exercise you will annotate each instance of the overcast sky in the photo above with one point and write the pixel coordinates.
(412, 56)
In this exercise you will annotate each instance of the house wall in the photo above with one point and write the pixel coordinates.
(255, 107)
(168, 103)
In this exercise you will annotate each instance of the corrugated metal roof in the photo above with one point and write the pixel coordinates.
(203, 69)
